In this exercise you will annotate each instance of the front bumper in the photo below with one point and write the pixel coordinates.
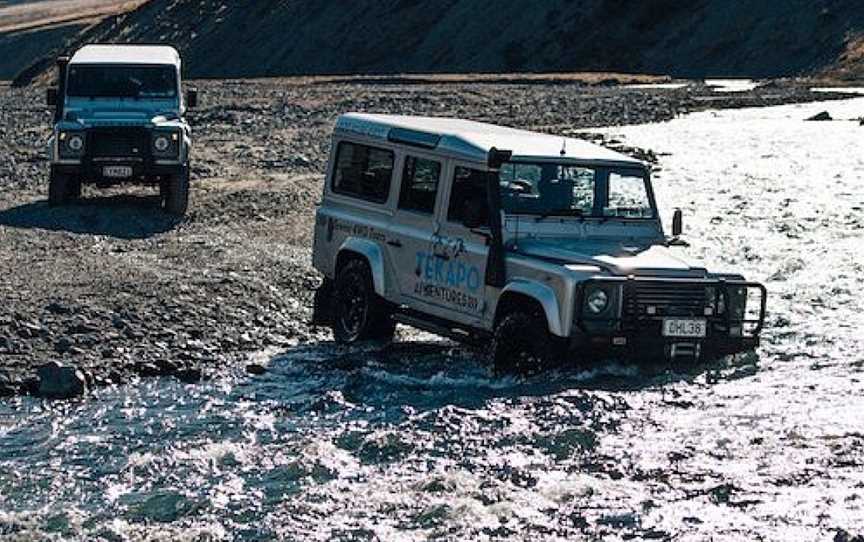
(125, 147)
(634, 326)
(143, 171)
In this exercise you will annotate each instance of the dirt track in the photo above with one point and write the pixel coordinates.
(116, 288)
(19, 16)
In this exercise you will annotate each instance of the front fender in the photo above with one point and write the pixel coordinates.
(373, 254)
(544, 295)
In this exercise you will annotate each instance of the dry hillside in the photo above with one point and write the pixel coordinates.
(31, 29)
(233, 38)
(850, 66)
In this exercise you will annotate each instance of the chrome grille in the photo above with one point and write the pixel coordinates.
(651, 299)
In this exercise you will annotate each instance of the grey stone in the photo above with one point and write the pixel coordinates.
(7, 386)
(255, 369)
(823, 116)
(58, 308)
(82, 328)
(189, 375)
(63, 345)
(167, 366)
(58, 381)
(148, 370)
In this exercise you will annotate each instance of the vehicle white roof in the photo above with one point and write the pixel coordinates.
(473, 140)
(158, 55)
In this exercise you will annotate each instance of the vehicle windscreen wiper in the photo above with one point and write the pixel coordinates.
(578, 213)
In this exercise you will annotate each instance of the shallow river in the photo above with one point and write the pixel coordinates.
(417, 441)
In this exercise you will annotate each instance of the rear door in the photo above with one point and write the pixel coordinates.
(414, 225)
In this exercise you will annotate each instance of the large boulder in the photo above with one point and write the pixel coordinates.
(58, 381)
(7, 385)
(821, 117)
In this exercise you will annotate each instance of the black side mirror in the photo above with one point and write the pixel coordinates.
(51, 96)
(192, 98)
(677, 223)
(498, 158)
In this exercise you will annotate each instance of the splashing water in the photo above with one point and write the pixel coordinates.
(416, 440)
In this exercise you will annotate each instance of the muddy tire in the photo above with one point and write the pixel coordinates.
(60, 189)
(74, 192)
(175, 194)
(522, 344)
(359, 314)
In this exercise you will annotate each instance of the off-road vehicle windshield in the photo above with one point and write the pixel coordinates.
(122, 81)
(549, 189)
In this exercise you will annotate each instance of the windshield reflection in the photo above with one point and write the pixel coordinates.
(549, 189)
(122, 82)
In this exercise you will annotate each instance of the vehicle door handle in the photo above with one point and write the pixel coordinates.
(396, 244)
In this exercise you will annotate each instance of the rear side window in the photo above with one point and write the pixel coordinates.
(419, 185)
(363, 172)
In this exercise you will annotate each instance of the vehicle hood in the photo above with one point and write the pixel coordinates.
(87, 113)
(613, 256)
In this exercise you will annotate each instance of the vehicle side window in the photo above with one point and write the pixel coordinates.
(419, 185)
(468, 196)
(628, 197)
(363, 172)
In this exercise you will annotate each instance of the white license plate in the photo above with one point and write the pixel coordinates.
(685, 327)
(117, 172)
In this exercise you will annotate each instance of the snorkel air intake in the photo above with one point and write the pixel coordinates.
(62, 69)
(496, 274)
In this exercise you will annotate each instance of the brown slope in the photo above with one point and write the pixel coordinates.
(232, 38)
(29, 30)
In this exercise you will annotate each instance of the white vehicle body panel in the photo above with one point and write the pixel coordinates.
(430, 264)
(153, 55)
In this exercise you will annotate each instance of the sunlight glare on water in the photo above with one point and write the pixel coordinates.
(418, 441)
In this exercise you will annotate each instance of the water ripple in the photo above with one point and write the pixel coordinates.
(419, 441)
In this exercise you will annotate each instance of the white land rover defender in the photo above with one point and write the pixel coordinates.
(118, 118)
(545, 246)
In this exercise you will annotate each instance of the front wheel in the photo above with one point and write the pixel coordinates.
(175, 194)
(359, 313)
(523, 345)
(62, 188)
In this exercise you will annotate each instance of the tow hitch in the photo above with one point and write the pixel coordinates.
(684, 351)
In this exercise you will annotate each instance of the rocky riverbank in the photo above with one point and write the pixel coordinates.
(114, 288)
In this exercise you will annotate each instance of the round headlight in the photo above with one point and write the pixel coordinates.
(75, 143)
(598, 301)
(161, 143)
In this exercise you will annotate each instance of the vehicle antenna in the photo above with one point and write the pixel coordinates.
(564, 148)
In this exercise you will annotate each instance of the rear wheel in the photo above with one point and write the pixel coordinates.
(523, 345)
(175, 194)
(359, 313)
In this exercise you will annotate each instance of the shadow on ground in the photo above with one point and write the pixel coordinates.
(124, 217)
